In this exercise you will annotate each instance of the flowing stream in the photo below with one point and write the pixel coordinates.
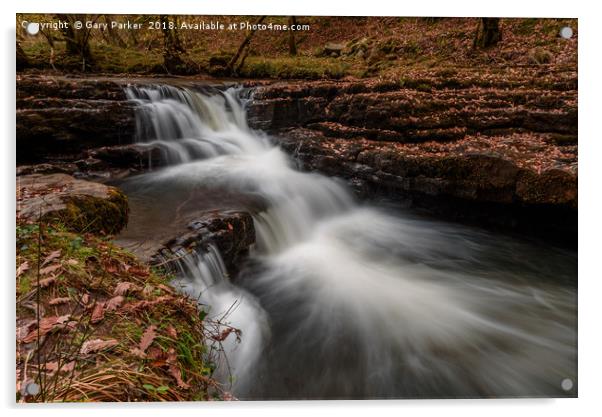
(347, 300)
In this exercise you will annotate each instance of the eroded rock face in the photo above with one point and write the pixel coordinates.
(426, 107)
(81, 206)
(232, 232)
(498, 147)
(483, 169)
(62, 117)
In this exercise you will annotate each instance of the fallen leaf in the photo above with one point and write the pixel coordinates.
(114, 303)
(46, 325)
(85, 299)
(53, 367)
(22, 268)
(59, 300)
(53, 255)
(225, 333)
(165, 288)
(124, 287)
(98, 313)
(97, 345)
(138, 353)
(154, 353)
(72, 262)
(46, 282)
(146, 303)
(148, 337)
(25, 328)
(174, 370)
(49, 269)
(140, 271)
(35, 308)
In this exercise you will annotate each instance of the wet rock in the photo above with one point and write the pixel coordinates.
(232, 232)
(482, 144)
(81, 206)
(518, 181)
(58, 117)
(416, 111)
(48, 168)
(134, 156)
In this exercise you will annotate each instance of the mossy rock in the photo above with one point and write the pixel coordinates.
(81, 206)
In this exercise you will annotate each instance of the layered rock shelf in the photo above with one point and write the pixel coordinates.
(59, 117)
(498, 146)
(501, 148)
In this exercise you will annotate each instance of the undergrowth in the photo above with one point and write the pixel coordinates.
(95, 324)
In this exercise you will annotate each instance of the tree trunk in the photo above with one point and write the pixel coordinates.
(22, 61)
(77, 41)
(488, 32)
(292, 45)
(113, 35)
(241, 48)
(171, 47)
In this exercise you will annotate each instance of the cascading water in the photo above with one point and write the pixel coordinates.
(348, 301)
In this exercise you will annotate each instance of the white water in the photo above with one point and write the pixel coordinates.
(347, 301)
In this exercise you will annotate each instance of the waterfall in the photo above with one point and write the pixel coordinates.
(347, 300)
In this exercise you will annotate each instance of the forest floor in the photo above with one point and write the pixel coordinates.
(332, 48)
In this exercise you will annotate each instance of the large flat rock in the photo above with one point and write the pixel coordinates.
(79, 205)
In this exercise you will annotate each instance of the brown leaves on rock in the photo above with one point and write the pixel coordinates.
(97, 345)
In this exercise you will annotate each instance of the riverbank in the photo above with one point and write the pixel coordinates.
(94, 323)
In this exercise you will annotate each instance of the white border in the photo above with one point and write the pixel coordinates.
(590, 287)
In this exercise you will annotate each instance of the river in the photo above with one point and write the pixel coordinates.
(342, 298)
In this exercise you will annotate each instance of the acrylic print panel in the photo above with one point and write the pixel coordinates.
(295, 207)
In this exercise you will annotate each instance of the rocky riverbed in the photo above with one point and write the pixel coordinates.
(495, 148)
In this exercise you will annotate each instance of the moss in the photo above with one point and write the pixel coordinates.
(93, 215)
(300, 67)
